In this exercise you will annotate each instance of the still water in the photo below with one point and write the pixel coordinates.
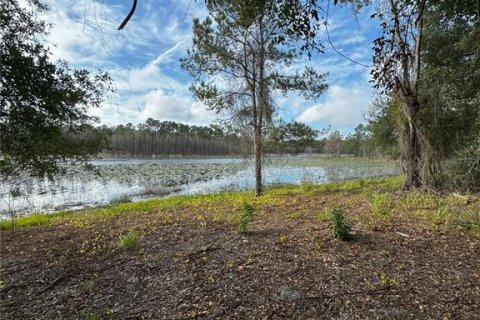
(134, 179)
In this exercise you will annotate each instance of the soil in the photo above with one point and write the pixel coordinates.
(189, 263)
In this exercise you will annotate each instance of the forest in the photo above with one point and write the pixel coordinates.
(156, 138)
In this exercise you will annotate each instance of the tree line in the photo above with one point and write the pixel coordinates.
(161, 138)
(155, 138)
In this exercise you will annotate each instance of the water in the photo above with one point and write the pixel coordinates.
(135, 179)
(243, 180)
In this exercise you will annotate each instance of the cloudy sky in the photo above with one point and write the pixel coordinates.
(143, 60)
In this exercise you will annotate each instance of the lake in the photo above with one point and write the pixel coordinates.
(115, 180)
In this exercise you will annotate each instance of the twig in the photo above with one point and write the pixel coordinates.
(331, 296)
(402, 234)
(57, 280)
(202, 250)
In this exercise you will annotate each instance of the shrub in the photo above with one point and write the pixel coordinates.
(340, 228)
(246, 217)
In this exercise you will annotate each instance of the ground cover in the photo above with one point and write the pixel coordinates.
(231, 255)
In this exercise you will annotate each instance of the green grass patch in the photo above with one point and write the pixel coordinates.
(129, 239)
(323, 216)
(32, 220)
(381, 205)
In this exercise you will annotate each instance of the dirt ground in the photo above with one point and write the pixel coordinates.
(288, 266)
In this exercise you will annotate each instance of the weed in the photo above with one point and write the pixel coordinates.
(386, 281)
(323, 216)
(330, 187)
(246, 217)
(294, 215)
(340, 228)
(129, 239)
(441, 215)
(381, 205)
(281, 239)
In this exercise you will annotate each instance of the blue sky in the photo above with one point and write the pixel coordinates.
(143, 60)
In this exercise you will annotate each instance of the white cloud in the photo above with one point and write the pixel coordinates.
(343, 106)
(158, 105)
(148, 77)
(143, 61)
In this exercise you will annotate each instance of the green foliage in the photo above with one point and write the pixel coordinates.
(293, 137)
(383, 125)
(381, 205)
(246, 217)
(323, 216)
(451, 99)
(44, 106)
(442, 215)
(447, 115)
(308, 186)
(31, 220)
(340, 228)
(129, 239)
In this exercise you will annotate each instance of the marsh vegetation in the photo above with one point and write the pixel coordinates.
(114, 181)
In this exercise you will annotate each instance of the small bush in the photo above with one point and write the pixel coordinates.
(340, 228)
(246, 217)
(129, 239)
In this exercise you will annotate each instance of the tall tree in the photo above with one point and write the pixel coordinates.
(43, 106)
(237, 63)
(397, 65)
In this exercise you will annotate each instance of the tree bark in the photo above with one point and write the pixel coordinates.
(257, 131)
(258, 161)
(411, 148)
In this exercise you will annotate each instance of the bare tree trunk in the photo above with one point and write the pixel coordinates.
(261, 114)
(258, 160)
(257, 132)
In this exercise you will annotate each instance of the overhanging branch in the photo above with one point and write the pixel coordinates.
(130, 14)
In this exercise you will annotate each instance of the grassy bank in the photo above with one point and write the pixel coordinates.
(232, 255)
(382, 201)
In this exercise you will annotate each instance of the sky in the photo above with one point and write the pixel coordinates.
(143, 61)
